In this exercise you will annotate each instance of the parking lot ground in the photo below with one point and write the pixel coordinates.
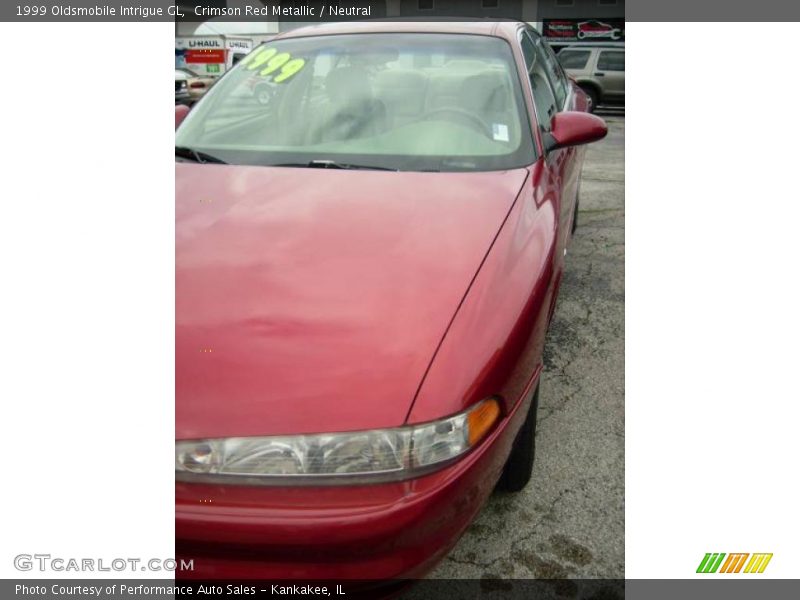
(570, 520)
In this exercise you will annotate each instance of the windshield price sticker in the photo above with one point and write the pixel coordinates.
(281, 66)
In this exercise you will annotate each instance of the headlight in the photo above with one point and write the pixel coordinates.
(382, 454)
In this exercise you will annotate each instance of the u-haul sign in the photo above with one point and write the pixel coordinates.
(210, 54)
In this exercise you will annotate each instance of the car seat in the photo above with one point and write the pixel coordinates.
(352, 110)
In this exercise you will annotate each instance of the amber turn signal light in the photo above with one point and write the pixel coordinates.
(481, 418)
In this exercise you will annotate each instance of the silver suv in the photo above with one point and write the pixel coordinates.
(600, 71)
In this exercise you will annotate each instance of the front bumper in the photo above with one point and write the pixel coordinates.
(382, 531)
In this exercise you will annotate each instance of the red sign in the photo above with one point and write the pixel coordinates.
(584, 29)
(559, 29)
(205, 56)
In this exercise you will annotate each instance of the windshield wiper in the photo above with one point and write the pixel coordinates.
(332, 164)
(197, 155)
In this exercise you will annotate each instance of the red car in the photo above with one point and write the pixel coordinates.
(366, 267)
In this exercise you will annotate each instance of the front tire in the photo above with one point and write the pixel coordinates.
(575, 214)
(519, 466)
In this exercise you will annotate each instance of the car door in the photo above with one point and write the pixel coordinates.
(611, 69)
(560, 164)
(565, 100)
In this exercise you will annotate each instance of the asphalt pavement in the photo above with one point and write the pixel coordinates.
(570, 520)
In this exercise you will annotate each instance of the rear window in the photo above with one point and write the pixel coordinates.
(611, 61)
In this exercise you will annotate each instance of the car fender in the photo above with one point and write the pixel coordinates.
(494, 344)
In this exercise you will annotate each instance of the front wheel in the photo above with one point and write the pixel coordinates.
(519, 466)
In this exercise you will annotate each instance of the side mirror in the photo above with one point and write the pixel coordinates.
(573, 128)
(181, 110)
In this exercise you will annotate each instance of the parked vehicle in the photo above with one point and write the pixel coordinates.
(262, 89)
(196, 86)
(599, 71)
(181, 89)
(366, 268)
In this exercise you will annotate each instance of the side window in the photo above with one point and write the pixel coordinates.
(528, 50)
(573, 59)
(611, 61)
(543, 96)
(554, 71)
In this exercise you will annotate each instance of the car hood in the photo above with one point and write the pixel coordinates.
(312, 300)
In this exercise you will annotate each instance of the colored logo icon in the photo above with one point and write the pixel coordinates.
(713, 563)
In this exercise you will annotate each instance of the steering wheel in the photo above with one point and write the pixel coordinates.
(263, 93)
(465, 116)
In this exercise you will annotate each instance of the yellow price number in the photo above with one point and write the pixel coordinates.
(275, 63)
(282, 65)
(289, 69)
(258, 58)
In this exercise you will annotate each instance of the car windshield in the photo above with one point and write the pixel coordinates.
(419, 102)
